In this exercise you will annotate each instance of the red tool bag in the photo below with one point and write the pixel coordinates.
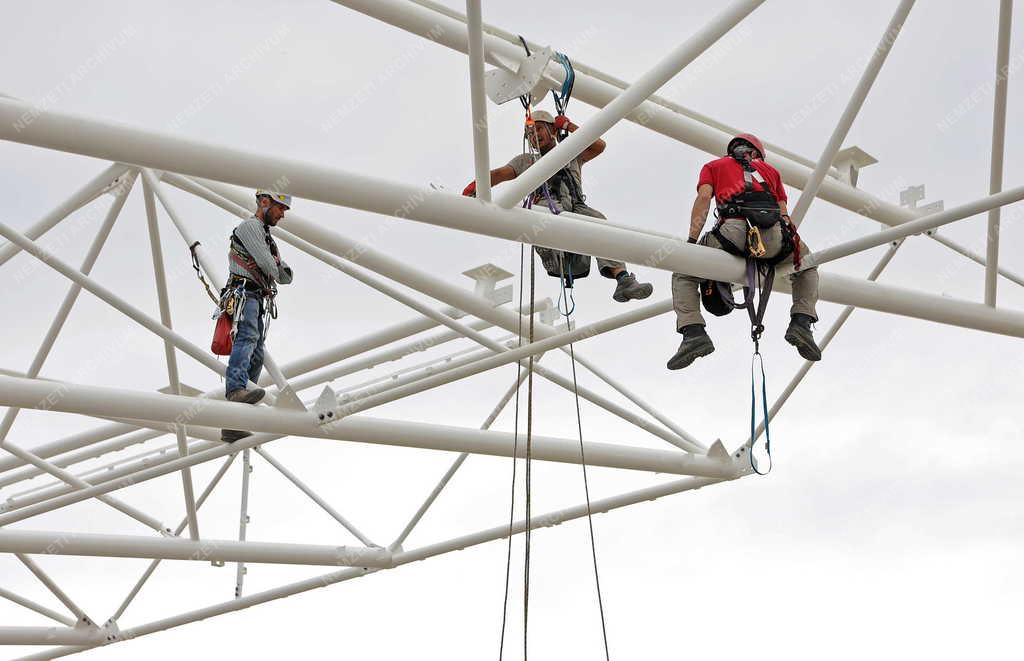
(221, 345)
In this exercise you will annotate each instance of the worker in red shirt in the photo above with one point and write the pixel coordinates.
(744, 187)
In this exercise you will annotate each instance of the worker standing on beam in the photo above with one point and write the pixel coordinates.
(564, 192)
(744, 187)
(255, 268)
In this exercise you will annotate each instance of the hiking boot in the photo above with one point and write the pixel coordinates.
(800, 336)
(232, 435)
(696, 343)
(246, 396)
(629, 289)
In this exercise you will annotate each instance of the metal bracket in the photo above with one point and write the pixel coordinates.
(287, 399)
(111, 631)
(324, 406)
(503, 86)
(486, 277)
(849, 162)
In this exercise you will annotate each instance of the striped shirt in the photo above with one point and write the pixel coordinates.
(251, 233)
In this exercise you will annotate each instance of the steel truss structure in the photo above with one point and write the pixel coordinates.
(193, 419)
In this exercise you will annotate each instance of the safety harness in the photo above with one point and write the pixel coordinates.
(760, 210)
(233, 296)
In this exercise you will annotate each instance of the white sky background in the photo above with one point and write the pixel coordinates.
(891, 524)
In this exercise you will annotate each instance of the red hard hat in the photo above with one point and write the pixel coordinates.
(752, 139)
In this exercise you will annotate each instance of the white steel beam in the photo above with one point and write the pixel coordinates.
(922, 224)
(120, 196)
(243, 519)
(498, 532)
(853, 106)
(83, 196)
(214, 481)
(588, 70)
(163, 301)
(425, 283)
(69, 443)
(106, 140)
(176, 548)
(624, 103)
(110, 298)
(115, 402)
(597, 92)
(995, 182)
(481, 152)
(461, 459)
(74, 481)
(39, 608)
(91, 452)
(53, 636)
(54, 589)
(313, 496)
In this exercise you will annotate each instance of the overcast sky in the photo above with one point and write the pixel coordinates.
(891, 524)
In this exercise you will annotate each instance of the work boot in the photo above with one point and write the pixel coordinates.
(800, 336)
(232, 435)
(696, 343)
(629, 289)
(246, 396)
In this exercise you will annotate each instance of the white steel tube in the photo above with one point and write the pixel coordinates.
(588, 70)
(456, 297)
(121, 195)
(52, 636)
(54, 589)
(324, 505)
(457, 464)
(633, 397)
(481, 152)
(115, 402)
(156, 251)
(853, 106)
(686, 129)
(79, 199)
(99, 449)
(110, 298)
(177, 531)
(110, 401)
(176, 548)
(74, 481)
(492, 534)
(39, 608)
(625, 102)
(243, 518)
(922, 224)
(105, 140)
(69, 443)
(995, 182)
(598, 239)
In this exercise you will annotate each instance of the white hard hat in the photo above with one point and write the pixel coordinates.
(280, 198)
(542, 116)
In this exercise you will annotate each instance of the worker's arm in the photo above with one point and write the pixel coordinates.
(782, 208)
(498, 175)
(250, 233)
(699, 215)
(591, 152)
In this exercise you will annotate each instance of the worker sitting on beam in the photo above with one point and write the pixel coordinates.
(752, 222)
(564, 192)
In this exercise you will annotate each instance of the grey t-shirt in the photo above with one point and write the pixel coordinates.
(522, 162)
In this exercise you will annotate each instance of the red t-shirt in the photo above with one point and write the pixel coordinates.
(726, 178)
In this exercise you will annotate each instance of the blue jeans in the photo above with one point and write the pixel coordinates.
(246, 360)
